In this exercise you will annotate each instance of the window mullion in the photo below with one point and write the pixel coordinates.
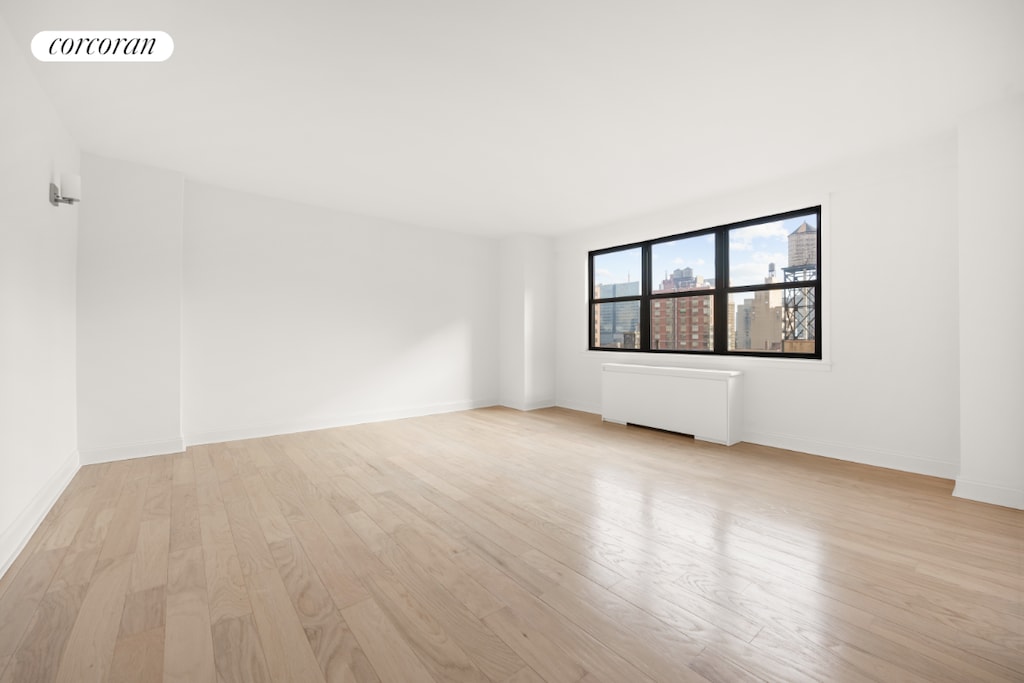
(645, 298)
(721, 306)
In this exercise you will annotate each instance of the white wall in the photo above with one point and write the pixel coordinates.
(37, 305)
(129, 311)
(527, 365)
(886, 393)
(220, 315)
(298, 318)
(539, 314)
(511, 324)
(991, 211)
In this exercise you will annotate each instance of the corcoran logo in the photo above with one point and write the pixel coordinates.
(102, 46)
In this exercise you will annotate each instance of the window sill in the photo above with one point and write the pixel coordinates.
(711, 362)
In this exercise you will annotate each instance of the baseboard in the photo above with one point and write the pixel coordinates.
(314, 424)
(92, 456)
(580, 407)
(830, 449)
(851, 453)
(989, 493)
(13, 540)
(527, 407)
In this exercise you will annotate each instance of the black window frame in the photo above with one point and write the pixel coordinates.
(720, 291)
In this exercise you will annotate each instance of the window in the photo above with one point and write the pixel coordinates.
(616, 320)
(749, 288)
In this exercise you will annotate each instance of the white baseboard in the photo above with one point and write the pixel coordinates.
(92, 456)
(317, 423)
(528, 406)
(837, 451)
(851, 453)
(580, 407)
(989, 493)
(14, 538)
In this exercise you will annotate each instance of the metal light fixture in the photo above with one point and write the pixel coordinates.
(70, 190)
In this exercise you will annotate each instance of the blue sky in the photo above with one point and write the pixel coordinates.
(691, 252)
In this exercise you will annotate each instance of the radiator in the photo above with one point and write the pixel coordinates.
(703, 403)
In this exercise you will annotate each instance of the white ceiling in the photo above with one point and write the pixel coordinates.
(538, 116)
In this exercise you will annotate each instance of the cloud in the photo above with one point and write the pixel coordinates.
(764, 257)
(748, 274)
(775, 229)
(680, 261)
(753, 270)
(744, 239)
(603, 271)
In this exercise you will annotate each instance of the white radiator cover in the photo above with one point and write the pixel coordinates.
(704, 403)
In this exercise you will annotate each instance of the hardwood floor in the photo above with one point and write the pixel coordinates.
(494, 545)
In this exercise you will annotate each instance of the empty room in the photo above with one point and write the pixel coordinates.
(529, 342)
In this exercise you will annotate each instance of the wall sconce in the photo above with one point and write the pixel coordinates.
(70, 190)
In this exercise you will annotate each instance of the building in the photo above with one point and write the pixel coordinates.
(683, 323)
(682, 279)
(618, 323)
(744, 314)
(759, 318)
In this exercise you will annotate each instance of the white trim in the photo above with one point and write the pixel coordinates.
(14, 538)
(859, 454)
(670, 370)
(837, 451)
(144, 449)
(532, 405)
(708, 361)
(313, 424)
(989, 493)
(580, 408)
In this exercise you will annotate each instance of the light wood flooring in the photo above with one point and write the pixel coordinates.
(494, 545)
